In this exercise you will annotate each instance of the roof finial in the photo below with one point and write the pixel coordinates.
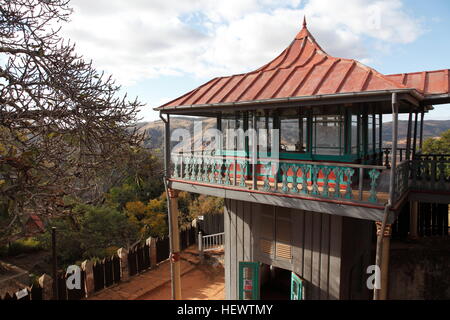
(304, 21)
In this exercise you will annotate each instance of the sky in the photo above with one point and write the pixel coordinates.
(160, 49)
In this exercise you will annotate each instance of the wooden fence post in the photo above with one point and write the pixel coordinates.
(152, 245)
(124, 272)
(188, 231)
(46, 283)
(200, 246)
(89, 285)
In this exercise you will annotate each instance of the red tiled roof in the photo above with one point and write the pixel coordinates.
(304, 69)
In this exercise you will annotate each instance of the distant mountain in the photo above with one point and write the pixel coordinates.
(431, 129)
(155, 129)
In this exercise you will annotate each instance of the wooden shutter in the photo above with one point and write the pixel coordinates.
(266, 242)
(283, 247)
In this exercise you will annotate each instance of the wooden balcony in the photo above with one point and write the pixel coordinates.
(334, 187)
(290, 183)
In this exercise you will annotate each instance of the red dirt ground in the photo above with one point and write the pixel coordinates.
(202, 283)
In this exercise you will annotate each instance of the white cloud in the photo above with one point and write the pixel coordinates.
(139, 39)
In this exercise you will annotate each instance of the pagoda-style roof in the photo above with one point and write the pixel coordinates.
(304, 69)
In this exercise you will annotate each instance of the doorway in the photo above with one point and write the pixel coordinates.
(275, 283)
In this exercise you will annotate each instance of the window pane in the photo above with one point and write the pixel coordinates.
(328, 135)
(293, 133)
(355, 134)
(377, 131)
(370, 133)
(267, 124)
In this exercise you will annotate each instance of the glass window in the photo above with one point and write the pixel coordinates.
(328, 135)
(293, 131)
(265, 123)
(355, 134)
(370, 133)
(228, 125)
(377, 131)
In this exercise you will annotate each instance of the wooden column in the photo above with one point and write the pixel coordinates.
(254, 152)
(408, 138)
(385, 237)
(413, 219)
(421, 131)
(415, 135)
(175, 254)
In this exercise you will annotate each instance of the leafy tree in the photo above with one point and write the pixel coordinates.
(62, 127)
(143, 181)
(205, 205)
(90, 231)
(440, 145)
(150, 218)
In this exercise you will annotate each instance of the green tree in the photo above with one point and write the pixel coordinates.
(90, 231)
(150, 218)
(205, 205)
(62, 123)
(143, 181)
(440, 145)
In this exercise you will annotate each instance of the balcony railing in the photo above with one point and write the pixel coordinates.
(387, 156)
(337, 181)
(431, 172)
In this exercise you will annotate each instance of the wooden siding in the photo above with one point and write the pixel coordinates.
(238, 218)
(318, 247)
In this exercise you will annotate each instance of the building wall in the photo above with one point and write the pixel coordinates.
(317, 247)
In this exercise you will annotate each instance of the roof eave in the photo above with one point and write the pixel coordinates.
(349, 95)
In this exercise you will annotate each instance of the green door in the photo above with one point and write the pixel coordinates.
(296, 287)
(248, 280)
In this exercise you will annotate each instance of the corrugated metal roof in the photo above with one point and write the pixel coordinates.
(304, 69)
(426, 82)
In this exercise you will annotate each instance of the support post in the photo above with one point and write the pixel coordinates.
(385, 237)
(421, 131)
(254, 152)
(415, 135)
(413, 219)
(408, 137)
(379, 261)
(175, 244)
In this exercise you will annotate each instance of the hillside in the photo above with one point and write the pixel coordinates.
(155, 129)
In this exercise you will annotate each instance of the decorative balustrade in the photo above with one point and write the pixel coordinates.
(401, 179)
(387, 156)
(431, 172)
(352, 182)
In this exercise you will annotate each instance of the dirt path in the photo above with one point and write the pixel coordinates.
(202, 283)
(198, 281)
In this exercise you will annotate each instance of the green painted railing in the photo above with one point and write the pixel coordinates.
(352, 182)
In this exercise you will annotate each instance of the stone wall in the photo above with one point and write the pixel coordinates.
(420, 269)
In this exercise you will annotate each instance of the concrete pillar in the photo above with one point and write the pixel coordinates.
(88, 267)
(386, 241)
(151, 242)
(175, 254)
(123, 256)
(46, 283)
(413, 219)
